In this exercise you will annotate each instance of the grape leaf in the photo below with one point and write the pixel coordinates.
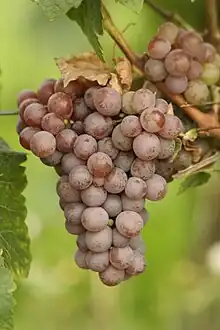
(14, 240)
(124, 72)
(55, 8)
(194, 180)
(89, 17)
(135, 5)
(7, 303)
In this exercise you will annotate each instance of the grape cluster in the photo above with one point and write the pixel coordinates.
(184, 62)
(104, 146)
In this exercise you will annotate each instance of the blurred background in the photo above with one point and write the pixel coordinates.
(180, 289)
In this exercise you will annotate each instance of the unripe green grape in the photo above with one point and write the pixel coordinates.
(211, 74)
(197, 92)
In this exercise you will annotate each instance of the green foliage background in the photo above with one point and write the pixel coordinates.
(58, 295)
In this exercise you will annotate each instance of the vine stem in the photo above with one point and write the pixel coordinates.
(212, 21)
(9, 113)
(203, 120)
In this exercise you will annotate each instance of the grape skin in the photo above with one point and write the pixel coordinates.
(172, 127)
(66, 192)
(33, 114)
(80, 110)
(98, 262)
(195, 70)
(73, 212)
(211, 74)
(121, 258)
(74, 88)
(137, 265)
(152, 121)
(74, 229)
(85, 145)
(69, 161)
(93, 196)
(81, 242)
(99, 241)
(169, 31)
(197, 92)
(88, 97)
(112, 276)
(146, 146)
(99, 164)
(167, 148)
(80, 258)
(78, 127)
(60, 104)
(116, 181)
(24, 105)
(189, 42)
(120, 141)
(80, 177)
(65, 140)
(20, 125)
(52, 124)
(106, 145)
(94, 219)
(130, 126)
(118, 240)
(135, 188)
(155, 70)
(142, 169)
(129, 223)
(126, 103)
(158, 48)
(182, 160)
(156, 188)
(128, 204)
(46, 90)
(165, 169)
(162, 105)
(24, 95)
(176, 85)
(26, 135)
(205, 52)
(112, 205)
(177, 63)
(107, 101)
(124, 160)
(142, 99)
(43, 144)
(98, 182)
(54, 159)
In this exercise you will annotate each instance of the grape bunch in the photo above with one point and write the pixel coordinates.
(105, 148)
(184, 62)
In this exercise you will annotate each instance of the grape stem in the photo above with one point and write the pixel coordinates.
(203, 120)
(168, 15)
(212, 22)
(9, 113)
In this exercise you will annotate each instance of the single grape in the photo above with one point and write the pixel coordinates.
(142, 169)
(81, 242)
(120, 141)
(142, 99)
(112, 205)
(88, 97)
(176, 85)
(116, 181)
(195, 70)
(43, 144)
(107, 101)
(26, 135)
(62, 204)
(137, 243)
(167, 148)
(211, 74)
(24, 95)
(60, 104)
(73, 212)
(131, 126)
(74, 229)
(172, 127)
(78, 127)
(126, 103)
(128, 204)
(135, 188)
(121, 258)
(74, 88)
(98, 262)
(216, 60)
(168, 31)
(98, 182)
(137, 265)
(65, 140)
(152, 87)
(99, 241)
(80, 178)
(20, 125)
(51, 123)
(45, 90)
(66, 192)
(94, 196)
(112, 276)
(94, 218)
(129, 223)
(25, 104)
(189, 42)
(84, 146)
(152, 121)
(162, 105)
(80, 259)
(165, 169)
(146, 146)
(144, 215)
(33, 114)
(106, 145)
(98, 126)
(99, 164)
(197, 92)
(80, 110)
(118, 240)
(205, 52)
(69, 161)
(182, 160)
(54, 159)
(177, 63)
(124, 160)
(155, 70)
(156, 188)
(158, 48)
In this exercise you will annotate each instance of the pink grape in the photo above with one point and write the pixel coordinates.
(80, 110)
(156, 188)
(127, 103)
(177, 63)
(118, 240)
(162, 105)
(155, 70)
(172, 127)
(80, 259)
(65, 140)
(131, 126)
(99, 241)
(152, 121)
(121, 258)
(81, 242)
(142, 99)
(129, 223)
(85, 145)
(128, 204)
(80, 177)
(74, 229)
(115, 182)
(158, 48)
(137, 265)
(69, 161)
(107, 101)
(60, 104)
(112, 205)
(43, 144)
(24, 95)
(98, 262)
(135, 188)
(93, 196)
(168, 31)
(33, 114)
(146, 146)
(142, 169)
(124, 160)
(106, 145)
(98, 126)
(53, 124)
(176, 85)
(94, 219)
(99, 164)
(25, 136)
(46, 90)
(121, 141)
(112, 276)
(167, 148)
(73, 212)
(88, 97)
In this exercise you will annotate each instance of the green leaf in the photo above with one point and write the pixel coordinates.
(14, 239)
(55, 8)
(89, 17)
(135, 5)
(194, 180)
(7, 303)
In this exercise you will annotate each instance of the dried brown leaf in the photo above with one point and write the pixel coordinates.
(124, 71)
(114, 83)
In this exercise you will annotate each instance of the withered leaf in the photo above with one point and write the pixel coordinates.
(114, 83)
(124, 71)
